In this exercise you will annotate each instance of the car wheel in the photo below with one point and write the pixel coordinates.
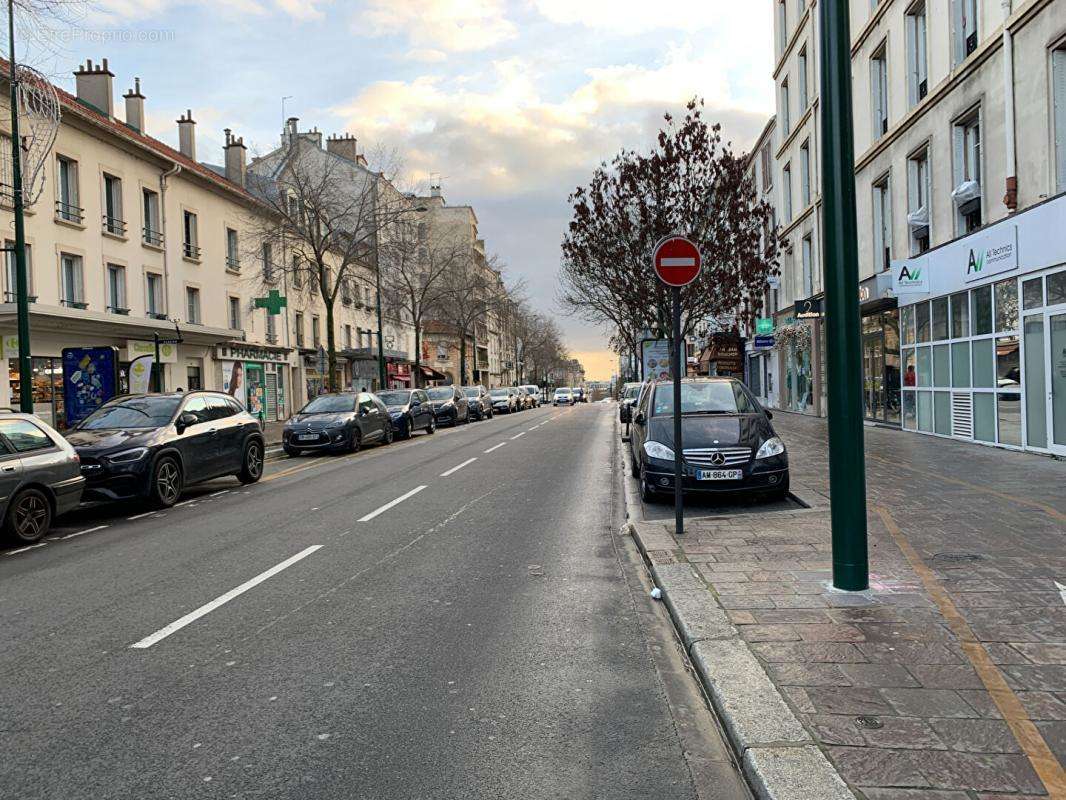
(355, 441)
(167, 482)
(291, 452)
(252, 469)
(29, 517)
(647, 494)
(405, 429)
(389, 434)
(432, 426)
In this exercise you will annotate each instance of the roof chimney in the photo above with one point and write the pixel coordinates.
(288, 134)
(135, 106)
(94, 87)
(187, 135)
(343, 145)
(236, 158)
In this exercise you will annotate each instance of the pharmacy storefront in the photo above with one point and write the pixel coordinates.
(257, 376)
(983, 330)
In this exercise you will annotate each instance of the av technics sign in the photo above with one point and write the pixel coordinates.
(991, 253)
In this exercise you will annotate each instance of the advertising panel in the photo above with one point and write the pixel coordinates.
(90, 379)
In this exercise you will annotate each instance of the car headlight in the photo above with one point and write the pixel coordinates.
(338, 424)
(128, 456)
(771, 447)
(658, 450)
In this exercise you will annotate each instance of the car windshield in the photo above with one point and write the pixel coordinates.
(134, 412)
(330, 404)
(712, 397)
(500, 392)
(472, 391)
(441, 393)
(395, 398)
(632, 392)
(562, 391)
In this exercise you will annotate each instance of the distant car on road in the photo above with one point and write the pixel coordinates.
(341, 422)
(40, 477)
(154, 445)
(504, 400)
(730, 445)
(563, 397)
(479, 401)
(409, 410)
(450, 405)
(533, 392)
(579, 395)
(628, 399)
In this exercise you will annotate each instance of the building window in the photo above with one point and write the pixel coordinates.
(879, 91)
(72, 285)
(11, 273)
(967, 192)
(233, 261)
(153, 229)
(297, 273)
(116, 289)
(782, 26)
(192, 305)
(807, 254)
(190, 236)
(767, 168)
(917, 34)
(7, 174)
(348, 337)
(113, 220)
(1058, 83)
(882, 208)
(786, 191)
(805, 174)
(268, 262)
(67, 207)
(785, 121)
(271, 328)
(964, 22)
(298, 323)
(235, 313)
(802, 77)
(316, 334)
(153, 291)
(918, 201)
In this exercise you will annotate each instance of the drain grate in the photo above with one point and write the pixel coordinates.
(871, 723)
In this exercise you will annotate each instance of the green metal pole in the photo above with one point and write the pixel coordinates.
(847, 461)
(377, 286)
(21, 283)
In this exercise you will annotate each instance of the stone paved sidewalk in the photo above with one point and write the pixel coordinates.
(893, 684)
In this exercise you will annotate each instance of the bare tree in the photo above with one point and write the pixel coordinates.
(332, 218)
(414, 274)
(692, 184)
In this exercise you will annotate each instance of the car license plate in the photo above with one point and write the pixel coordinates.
(719, 474)
(307, 437)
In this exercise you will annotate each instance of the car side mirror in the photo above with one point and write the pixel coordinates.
(769, 413)
(186, 420)
(364, 411)
(639, 418)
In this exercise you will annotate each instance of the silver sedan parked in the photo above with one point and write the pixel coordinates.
(40, 477)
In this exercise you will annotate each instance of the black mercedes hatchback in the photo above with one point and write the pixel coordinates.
(154, 445)
(729, 443)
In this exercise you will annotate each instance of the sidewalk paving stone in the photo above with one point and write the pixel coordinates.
(878, 678)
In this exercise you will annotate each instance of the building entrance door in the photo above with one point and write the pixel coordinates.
(873, 375)
(1055, 328)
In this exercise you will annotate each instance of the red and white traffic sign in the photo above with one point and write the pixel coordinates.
(677, 261)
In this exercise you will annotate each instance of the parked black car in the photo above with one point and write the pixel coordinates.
(479, 402)
(504, 400)
(40, 477)
(449, 404)
(154, 445)
(730, 445)
(630, 394)
(339, 422)
(409, 410)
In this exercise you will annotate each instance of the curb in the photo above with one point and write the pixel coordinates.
(779, 758)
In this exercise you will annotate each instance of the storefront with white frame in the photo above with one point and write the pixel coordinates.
(983, 330)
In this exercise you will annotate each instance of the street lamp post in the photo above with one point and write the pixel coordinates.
(21, 282)
(847, 461)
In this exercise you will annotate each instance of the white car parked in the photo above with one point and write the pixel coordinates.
(563, 397)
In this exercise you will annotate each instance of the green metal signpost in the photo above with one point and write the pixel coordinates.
(21, 279)
(847, 461)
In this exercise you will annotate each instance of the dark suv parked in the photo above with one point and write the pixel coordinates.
(154, 445)
(409, 410)
(449, 405)
(477, 397)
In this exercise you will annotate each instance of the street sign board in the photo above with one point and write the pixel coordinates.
(762, 342)
(764, 325)
(677, 261)
(811, 308)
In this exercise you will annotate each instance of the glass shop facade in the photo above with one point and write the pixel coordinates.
(983, 334)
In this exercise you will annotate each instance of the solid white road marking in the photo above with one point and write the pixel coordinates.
(523, 433)
(496, 447)
(536, 426)
(186, 502)
(221, 600)
(458, 467)
(392, 503)
(82, 533)
(24, 549)
(1062, 591)
(140, 516)
(216, 494)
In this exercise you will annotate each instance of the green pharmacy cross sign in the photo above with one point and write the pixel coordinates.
(273, 302)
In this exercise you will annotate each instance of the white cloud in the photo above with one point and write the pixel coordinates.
(130, 10)
(636, 16)
(438, 25)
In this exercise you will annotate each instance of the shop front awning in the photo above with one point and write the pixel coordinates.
(87, 325)
(432, 374)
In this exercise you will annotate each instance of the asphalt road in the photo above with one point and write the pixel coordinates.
(487, 636)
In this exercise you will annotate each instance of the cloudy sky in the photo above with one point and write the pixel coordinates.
(511, 103)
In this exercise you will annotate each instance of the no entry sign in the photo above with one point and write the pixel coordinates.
(676, 261)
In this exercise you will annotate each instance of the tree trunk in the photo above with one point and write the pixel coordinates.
(331, 349)
(416, 378)
(462, 358)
